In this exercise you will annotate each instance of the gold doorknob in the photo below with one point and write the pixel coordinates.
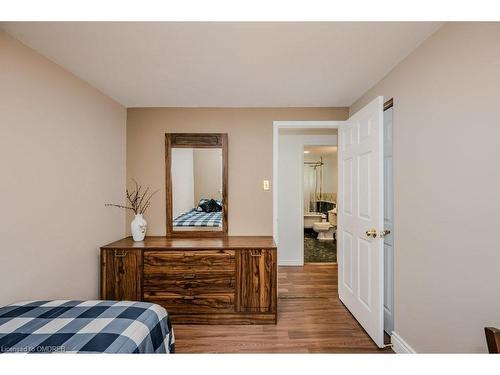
(371, 233)
(385, 232)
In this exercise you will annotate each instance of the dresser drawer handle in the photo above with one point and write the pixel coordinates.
(189, 297)
(190, 276)
(188, 254)
(120, 255)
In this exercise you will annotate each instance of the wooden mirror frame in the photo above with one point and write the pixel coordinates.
(195, 140)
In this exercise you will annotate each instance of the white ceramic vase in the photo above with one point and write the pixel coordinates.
(138, 227)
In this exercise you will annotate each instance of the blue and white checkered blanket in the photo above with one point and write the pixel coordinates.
(196, 218)
(85, 327)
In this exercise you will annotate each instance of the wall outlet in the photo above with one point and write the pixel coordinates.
(265, 185)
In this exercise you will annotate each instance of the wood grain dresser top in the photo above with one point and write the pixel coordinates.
(164, 243)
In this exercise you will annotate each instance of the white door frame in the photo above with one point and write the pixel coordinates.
(277, 125)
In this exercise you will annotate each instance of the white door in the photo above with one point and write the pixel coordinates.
(361, 210)
(388, 224)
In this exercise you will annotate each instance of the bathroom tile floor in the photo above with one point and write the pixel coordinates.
(316, 251)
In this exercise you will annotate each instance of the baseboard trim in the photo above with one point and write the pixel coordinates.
(400, 346)
(289, 263)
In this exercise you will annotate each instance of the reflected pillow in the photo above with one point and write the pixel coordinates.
(209, 205)
(203, 200)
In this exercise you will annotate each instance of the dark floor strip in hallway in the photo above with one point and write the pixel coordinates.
(319, 251)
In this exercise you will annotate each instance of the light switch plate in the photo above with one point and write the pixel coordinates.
(265, 184)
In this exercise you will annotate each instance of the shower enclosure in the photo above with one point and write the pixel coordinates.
(316, 200)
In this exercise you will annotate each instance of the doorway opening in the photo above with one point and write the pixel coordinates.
(320, 204)
(364, 231)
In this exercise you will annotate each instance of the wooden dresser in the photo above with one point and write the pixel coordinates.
(228, 280)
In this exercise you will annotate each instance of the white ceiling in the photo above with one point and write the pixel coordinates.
(213, 64)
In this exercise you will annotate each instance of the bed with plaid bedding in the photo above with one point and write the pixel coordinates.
(196, 218)
(85, 327)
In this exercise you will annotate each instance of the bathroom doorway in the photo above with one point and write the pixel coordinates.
(320, 172)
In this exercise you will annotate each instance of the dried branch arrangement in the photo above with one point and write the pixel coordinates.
(138, 198)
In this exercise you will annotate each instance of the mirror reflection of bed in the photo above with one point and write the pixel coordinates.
(197, 189)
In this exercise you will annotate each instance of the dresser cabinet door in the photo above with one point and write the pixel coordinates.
(256, 281)
(121, 275)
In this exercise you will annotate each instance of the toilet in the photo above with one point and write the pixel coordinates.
(326, 229)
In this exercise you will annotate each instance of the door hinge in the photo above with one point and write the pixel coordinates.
(385, 232)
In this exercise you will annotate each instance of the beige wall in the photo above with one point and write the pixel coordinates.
(447, 186)
(182, 180)
(207, 170)
(250, 155)
(62, 156)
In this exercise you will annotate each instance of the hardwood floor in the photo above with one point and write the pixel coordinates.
(311, 319)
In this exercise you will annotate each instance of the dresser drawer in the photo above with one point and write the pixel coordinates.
(190, 283)
(189, 262)
(196, 304)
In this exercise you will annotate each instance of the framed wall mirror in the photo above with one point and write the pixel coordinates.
(196, 184)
